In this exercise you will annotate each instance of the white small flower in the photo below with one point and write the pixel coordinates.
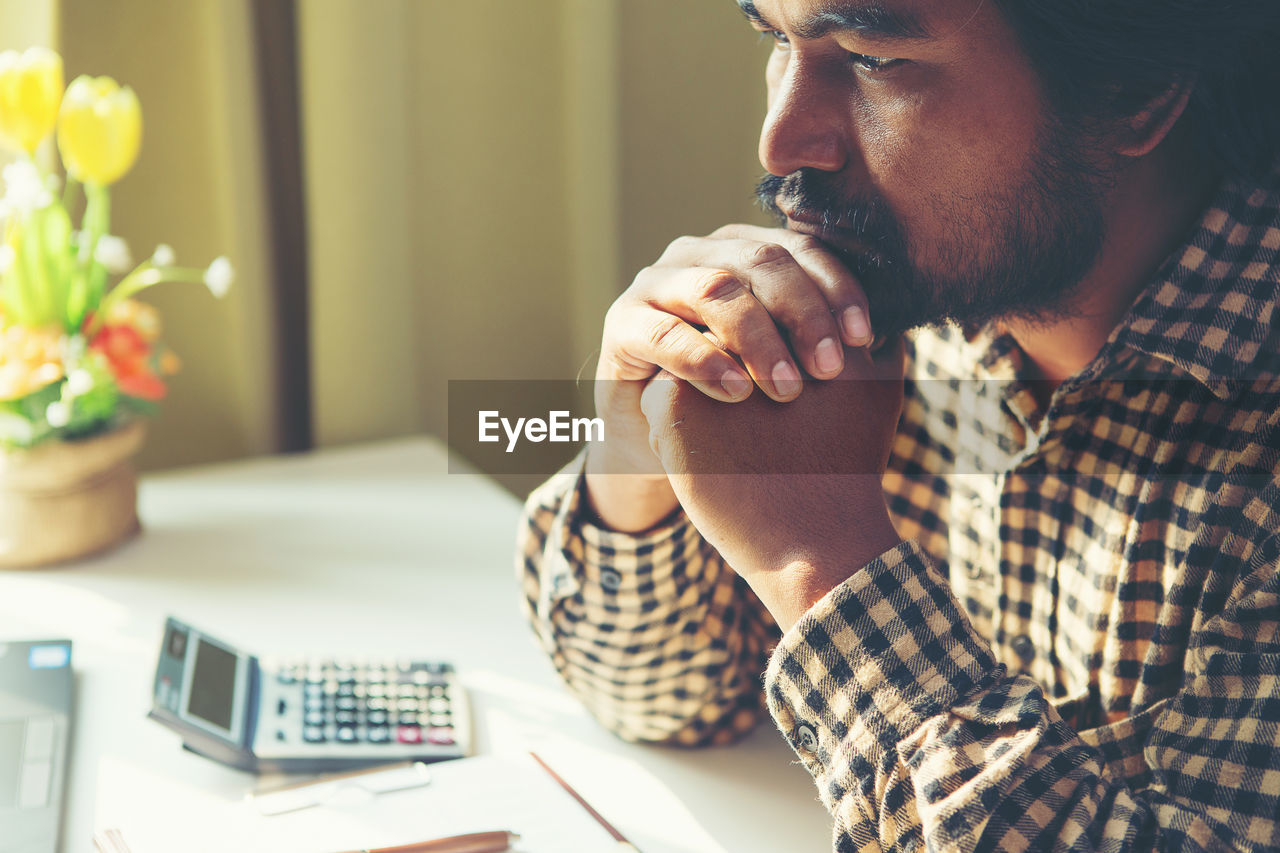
(58, 414)
(218, 276)
(7, 257)
(24, 189)
(79, 382)
(163, 256)
(113, 253)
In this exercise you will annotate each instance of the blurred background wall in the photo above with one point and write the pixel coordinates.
(479, 180)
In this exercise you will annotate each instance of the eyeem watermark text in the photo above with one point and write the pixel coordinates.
(558, 427)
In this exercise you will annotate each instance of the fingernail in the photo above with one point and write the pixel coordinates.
(735, 383)
(785, 379)
(855, 325)
(827, 356)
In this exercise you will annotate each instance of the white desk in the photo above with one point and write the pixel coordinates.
(370, 550)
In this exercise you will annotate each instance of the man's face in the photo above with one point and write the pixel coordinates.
(912, 136)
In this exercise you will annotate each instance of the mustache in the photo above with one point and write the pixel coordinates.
(811, 194)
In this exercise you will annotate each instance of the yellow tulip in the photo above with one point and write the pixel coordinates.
(30, 91)
(99, 130)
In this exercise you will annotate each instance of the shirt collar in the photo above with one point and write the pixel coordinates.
(1211, 309)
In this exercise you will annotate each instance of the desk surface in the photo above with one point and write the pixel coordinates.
(371, 550)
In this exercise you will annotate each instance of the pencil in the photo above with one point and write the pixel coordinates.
(478, 842)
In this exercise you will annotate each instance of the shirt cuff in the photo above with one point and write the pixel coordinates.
(871, 662)
(625, 571)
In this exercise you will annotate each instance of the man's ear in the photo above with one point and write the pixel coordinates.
(1141, 132)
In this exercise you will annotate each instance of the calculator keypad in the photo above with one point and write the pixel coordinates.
(408, 703)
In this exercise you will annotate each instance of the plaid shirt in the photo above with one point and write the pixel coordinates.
(1078, 644)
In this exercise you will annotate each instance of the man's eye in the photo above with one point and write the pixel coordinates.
(873, 63)
(780, 39)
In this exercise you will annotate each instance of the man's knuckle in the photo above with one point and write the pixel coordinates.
(683, 245)
(766, 255)
(644, 278)
(716, 286)
(664, 332)
(703, 363)
(816, 319)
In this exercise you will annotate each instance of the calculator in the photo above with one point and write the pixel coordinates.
(306, 715)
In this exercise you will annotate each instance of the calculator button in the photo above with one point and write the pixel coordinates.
(421, 677)
(409, 704)
(346, 734)
(438, 705)
(377, 690)
(313, 734)
(440, 736)
(440, 720)
(345, 718)
(375, 703)
(287, 677)
(409, 734)
(315, 718)
(378, 734)
(377, 718)
(346, 703)
(347, 689)
(408, 690)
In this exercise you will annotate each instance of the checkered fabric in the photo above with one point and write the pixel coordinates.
(1077, 647)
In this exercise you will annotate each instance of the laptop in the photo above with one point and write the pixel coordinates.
(35, 725)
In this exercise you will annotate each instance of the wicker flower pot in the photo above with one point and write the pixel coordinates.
(67, 499)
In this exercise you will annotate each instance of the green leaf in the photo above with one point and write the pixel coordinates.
(59, 259)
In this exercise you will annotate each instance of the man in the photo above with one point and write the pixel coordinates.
(1027, 598)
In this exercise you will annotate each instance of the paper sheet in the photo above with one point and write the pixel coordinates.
(470, 795)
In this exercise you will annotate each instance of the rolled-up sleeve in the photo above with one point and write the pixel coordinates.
(654, 633)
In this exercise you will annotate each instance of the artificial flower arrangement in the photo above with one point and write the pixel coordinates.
(78, 356)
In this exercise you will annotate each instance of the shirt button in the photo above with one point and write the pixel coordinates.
(610, 580)
(807, 739)
(1023, 648)
(975, 571)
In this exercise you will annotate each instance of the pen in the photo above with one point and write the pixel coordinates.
(477, 842)
(623, 843)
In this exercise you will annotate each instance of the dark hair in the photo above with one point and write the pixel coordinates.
(1106, 58)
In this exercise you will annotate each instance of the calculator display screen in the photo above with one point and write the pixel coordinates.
(213, 685)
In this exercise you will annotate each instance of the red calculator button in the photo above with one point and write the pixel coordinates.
(409, 734)
(443, 737)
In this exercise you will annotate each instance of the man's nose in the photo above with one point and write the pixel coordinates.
(804, 126)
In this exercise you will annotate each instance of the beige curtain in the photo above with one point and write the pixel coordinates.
(480, 180)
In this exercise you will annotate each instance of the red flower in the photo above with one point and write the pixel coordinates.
(129, 356)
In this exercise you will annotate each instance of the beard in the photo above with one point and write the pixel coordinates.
(1020, 251)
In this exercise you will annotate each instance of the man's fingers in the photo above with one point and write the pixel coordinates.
(759, 300)
(665, 341)
(844, 296)
(727, 306)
